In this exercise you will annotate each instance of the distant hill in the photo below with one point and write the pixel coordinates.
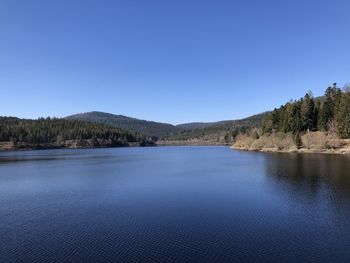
(226, 124)
(186, 131)
(218, 132)
(197, 125)
(148, 128)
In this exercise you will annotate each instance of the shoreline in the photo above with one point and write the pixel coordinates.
(312, 142)
(193, 142)
(343, 151)
(8, 146)
(39, 148)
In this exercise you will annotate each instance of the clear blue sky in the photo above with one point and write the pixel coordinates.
(171, 61)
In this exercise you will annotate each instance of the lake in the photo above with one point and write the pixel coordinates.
(173, 204)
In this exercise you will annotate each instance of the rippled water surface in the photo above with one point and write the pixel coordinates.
(173, 204)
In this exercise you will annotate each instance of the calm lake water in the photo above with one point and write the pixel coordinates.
(173, 204)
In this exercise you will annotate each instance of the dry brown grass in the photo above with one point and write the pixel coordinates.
(6, 145)
(334, 142)
(243, 141)
(322, 141)
(314, 140)
(277, 141)
(273, 142)
(311, 142)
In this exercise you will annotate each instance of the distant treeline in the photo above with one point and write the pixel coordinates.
(147, 128)
(57, 131)
(328, 113)
(223, 132)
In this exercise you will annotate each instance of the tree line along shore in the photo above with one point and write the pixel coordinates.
(45, 133)
(306, 125)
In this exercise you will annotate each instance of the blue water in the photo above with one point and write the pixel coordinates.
(173, 204)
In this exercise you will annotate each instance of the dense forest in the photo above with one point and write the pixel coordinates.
(58, 132)
(330, 113)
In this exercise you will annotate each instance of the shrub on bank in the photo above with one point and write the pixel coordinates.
(317, 141)
(321, 141)
(314, 140)
(273, 142)
(334, 142)
(243, 141)
(276, 141)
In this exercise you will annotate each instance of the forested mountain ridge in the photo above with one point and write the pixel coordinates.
(198, 125)
(222, 132)
(210, 131)
(147, 128)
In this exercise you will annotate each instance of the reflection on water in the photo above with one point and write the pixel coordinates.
(311, 170)
(173, 204)
(319, 183)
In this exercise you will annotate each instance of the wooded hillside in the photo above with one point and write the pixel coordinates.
(58, 131)
(331, 113)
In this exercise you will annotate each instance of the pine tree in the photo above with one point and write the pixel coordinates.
(307, 112)
(275, 119)
(267, 123)
(343, 116)
(333, 95)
